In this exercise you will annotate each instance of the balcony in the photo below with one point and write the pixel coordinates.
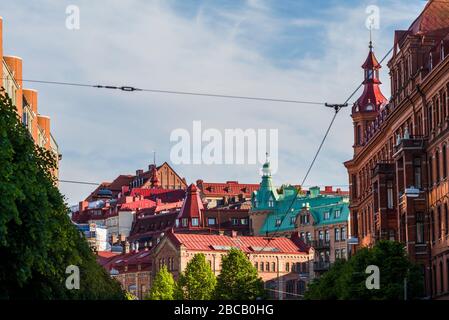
(321, 266)
(415, 142)
(321, 244)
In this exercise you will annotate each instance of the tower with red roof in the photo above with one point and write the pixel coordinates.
(368, 106)
(190, 216)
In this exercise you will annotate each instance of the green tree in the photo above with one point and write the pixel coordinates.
(163, 287)
(37, 239)
(347, 280)
(238, 279)
(198, 281)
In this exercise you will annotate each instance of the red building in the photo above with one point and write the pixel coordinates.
(399, 172)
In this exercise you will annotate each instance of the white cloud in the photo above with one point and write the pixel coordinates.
(152, 45)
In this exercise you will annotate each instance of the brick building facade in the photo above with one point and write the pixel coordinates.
(399, 172)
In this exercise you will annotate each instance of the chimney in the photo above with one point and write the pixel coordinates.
(125, 190)
(122, 238)
(114, 238)
(328, 189)
(15, 65)
(234, 234)
(139, 172)
(83, 206)
(44, 123)
(126, 247)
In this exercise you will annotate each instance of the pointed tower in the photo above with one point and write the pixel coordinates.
(265, 198)
(154, 180)
(190, 216)
(368, 106)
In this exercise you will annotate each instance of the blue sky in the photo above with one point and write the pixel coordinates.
(288, 49)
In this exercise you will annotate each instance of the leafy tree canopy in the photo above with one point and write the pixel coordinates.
(198, 281)
(238, 279)
(37, 239)
(347, 280)
(163, 287)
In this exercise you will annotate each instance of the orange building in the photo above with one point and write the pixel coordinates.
(399, 187)
(26, 101)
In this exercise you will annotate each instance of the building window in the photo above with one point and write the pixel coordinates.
(292, 220)
(211, 221)
(337, 254)
(432, 227)
(301, 287)
(287, 267)
(343, 254)
(439, 223)
(235, 221)
(430, 61)
(302, 236)
(430, 170)
(390, 194)
(446, 213)
(419, 227)
(278, 222)
(321, 235)
(327, 236)
(309, 237)
(267, 266)
(444, 154)
(256, 265)
(437, 164)
(442, 50)
(184, 222)
(273, 267)
(343, 233)
(417, 172)
(270, 203)
(290, 287)
(261, 266)
(326, 215)
(337, 213)
(337, 234)
(244, 221)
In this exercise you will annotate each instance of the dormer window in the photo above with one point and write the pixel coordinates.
(270, 203)
(184, 222)
(195, 222)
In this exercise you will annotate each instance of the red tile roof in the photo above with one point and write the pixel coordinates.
(202, 242)
(230, 188)
(192, 204)
(435, 16)
(137, 205)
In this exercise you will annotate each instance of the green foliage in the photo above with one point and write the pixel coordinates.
(130, 296)
(164, 287)
(238, 279)
(198, 281)
(346, 280)
(37, 239)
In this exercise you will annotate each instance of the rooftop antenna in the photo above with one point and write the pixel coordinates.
(154, 157)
